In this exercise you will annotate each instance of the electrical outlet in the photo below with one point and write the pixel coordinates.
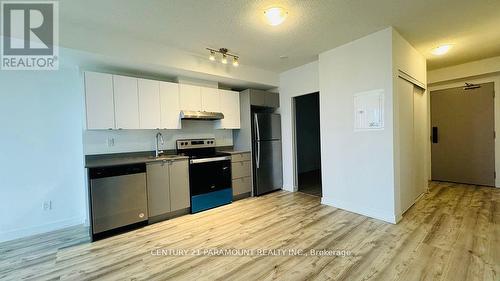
(111, 142)
(47, 205)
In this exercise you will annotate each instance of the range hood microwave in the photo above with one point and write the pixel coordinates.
(201, 115)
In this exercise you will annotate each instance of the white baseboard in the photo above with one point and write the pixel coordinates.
(288, 188)
(28, 231)
(365, 211)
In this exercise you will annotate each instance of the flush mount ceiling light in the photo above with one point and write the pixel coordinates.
(225, 54)
(441, 49)
(275, 15)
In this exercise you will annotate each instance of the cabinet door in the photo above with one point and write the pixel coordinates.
(230, 107)
(210, 100)
(273, 100)
(158, 188)
(169, 105)
(242, 185)
(189, 97)
(149, 104)
(258, 98)
(179, 185)
(99, 101)
(126, 102)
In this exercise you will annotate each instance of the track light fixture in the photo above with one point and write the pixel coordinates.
(212, 56)
(224, 57)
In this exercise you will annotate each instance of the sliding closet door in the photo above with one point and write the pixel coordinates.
(421, 141)
(412, 124)
(405, 119)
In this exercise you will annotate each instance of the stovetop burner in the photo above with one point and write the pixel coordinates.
(198, 148)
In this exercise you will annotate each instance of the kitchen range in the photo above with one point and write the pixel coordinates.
(210, 181)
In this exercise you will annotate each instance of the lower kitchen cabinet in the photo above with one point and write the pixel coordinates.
(179, 185)
(242, 186)
(241, 170)
(158, 183)
(168, 187)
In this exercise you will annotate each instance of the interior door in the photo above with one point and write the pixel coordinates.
(413, 141)
(463, 135)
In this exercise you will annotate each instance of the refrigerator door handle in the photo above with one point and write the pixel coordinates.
(257, 133)
(257, 129)
(258, 154)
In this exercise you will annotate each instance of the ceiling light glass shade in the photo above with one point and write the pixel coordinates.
(224, 59)
(212, 56)
(441, 50)
(275, 15)
(235, 62)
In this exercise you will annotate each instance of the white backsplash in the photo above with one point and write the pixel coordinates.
(117, 141)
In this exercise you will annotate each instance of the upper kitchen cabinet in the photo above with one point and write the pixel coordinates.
(99, 102)
(230, 107)
(149, 104)
(210, 99)
(126, 102)
(169, 106)
(190, 97)
(263, 98)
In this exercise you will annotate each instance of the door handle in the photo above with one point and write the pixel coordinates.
(257, 133)
(435, 136)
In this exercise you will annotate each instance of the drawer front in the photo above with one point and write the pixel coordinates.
(240, 169)
(240, 157)
(242, 185)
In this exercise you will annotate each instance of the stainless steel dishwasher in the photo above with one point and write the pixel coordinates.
(118, 199)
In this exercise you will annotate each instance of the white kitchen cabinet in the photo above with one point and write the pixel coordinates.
(169, 106)
(190, 97)
(99, 102)
(210, 100)
(126, 102)
(149, 104)
(230, 107)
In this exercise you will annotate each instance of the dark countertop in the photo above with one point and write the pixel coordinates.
(116, 159)
(235, 151)
(231, 150)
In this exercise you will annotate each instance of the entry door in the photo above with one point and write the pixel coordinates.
(463, 137)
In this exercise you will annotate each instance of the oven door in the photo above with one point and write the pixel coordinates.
(209, 174)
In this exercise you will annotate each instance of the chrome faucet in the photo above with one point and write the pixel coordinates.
(159, 138)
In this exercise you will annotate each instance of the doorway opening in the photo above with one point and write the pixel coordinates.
(463, 134)
(308, 145)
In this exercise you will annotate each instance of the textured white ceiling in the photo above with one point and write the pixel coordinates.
(313, 26)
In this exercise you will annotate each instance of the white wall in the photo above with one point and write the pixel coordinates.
(471, 69)
(295, 82)
(41, 151)
(358, 170)
(96, 141)
(477, 72)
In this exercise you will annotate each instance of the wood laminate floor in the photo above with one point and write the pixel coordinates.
(452, 233)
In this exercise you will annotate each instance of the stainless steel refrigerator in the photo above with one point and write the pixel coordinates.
(267, 162)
